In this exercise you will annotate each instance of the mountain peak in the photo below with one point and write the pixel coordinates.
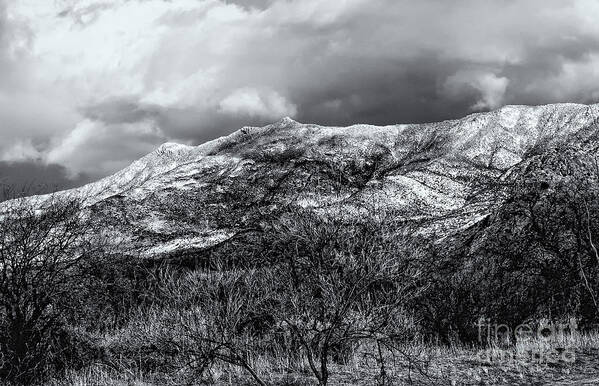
(172, 147)
(286, 121)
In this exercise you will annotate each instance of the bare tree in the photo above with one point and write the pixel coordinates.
(43, 247)
(342, 284)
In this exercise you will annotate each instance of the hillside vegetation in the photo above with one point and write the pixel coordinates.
(298, 254)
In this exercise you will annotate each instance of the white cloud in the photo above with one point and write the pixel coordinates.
(20, 151)
(491, 88)
(578, 79)
(248, 101)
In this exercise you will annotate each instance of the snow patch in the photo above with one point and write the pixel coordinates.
(184, 243)
(509, 116)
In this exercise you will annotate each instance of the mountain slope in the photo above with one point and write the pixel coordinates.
(440, 178)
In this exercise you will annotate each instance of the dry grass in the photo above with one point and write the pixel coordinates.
(418, 363)
(137, 356)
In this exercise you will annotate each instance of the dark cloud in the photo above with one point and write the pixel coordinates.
(249, 4)
(120, 110)
(33, 177)
(86, 14)
(180, 123)
(383, 93)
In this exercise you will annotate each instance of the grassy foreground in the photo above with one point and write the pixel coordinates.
(535, 362)
(307, 298)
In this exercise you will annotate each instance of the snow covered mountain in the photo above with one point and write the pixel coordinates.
(439, 177)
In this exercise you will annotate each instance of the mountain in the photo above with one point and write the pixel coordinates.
(442, 179)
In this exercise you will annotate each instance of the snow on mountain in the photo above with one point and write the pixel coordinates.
(183, 197)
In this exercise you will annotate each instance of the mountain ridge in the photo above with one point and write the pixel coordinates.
(434, 175)
(165, 151)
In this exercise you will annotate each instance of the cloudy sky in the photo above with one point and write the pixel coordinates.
(88, 86)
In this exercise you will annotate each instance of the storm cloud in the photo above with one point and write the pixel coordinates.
(24, 178)
(92, 85)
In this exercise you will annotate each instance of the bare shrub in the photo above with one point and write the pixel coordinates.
(340, 283)
(207, 320)
(42, 248)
